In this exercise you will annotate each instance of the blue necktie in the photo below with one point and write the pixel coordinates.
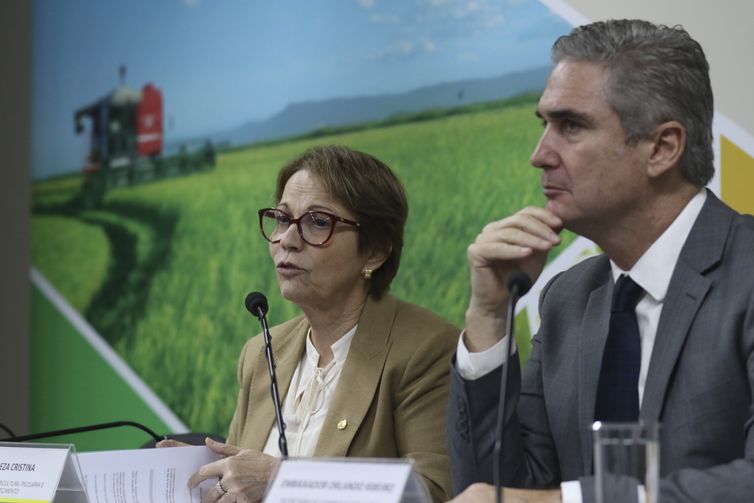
(618, 388)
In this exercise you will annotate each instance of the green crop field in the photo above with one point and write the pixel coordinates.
(162, 269)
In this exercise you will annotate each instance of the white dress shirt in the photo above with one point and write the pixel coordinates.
(652, 272)
(308, 399)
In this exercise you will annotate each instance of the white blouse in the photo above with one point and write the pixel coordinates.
(308, 399)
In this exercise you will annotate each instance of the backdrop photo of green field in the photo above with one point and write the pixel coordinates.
(161, 270)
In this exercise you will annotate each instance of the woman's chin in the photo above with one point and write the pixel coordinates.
(291, 293)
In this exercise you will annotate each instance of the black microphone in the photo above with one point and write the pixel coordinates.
(518, 284)
(83, 429)
(256, 304)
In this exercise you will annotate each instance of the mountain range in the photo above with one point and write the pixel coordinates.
(303, 117)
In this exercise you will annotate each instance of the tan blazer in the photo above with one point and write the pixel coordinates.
(391, 398)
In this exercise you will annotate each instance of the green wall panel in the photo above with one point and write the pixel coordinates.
(72, 385)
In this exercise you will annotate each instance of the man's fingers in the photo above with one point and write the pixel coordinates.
(543, 215)
(521, 229)
(486, 254)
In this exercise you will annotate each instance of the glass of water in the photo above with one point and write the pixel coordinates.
(626, 462)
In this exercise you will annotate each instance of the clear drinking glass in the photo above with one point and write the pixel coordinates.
(626, 462)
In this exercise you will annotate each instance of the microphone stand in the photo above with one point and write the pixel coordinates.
(282, 442)
(518, 284)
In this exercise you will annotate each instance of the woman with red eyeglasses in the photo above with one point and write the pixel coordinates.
(360, 373)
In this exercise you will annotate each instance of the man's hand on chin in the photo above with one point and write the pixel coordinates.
(484, 493)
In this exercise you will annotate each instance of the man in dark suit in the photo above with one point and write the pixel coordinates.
(625, 154)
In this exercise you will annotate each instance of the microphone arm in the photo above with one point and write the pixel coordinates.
(256, 304)
(518, 284)
(282, 442)
(7, 430)
(83, 429)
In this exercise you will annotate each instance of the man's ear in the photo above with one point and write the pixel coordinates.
(668, 145)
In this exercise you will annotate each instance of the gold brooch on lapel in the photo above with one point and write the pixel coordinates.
(342, 424)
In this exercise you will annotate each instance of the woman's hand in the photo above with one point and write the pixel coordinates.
(169, 442)
(243, 474)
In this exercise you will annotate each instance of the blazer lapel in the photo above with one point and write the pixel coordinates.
(359, 379)
(287, 349)
(593, 336)
(702, 251)
(685, 295)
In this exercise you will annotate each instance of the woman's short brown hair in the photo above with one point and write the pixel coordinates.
(369, 189)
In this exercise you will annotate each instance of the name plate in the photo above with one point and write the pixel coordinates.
(343, 480)
(33, 473)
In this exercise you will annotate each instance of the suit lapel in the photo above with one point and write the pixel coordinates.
(593, 336)
(359, 379)
(287, 349)
(685, 294)
(702, 251)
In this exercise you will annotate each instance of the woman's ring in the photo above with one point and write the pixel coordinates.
(220, 489)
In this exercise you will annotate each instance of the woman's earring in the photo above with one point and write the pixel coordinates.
(367, 273)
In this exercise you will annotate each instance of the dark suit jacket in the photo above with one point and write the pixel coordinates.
(700, 381)
(392, 392)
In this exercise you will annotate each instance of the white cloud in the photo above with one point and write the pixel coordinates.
(400, 50)
(385, 18)
(428, 45)
(367, 4)
(405, 49)
(465, 10)
(191, 3)
(477, 15)
(433, 26)
(493, 21)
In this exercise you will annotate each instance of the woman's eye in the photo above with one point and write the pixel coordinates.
(321, 222)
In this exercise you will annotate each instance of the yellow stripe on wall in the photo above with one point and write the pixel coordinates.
(736, 176)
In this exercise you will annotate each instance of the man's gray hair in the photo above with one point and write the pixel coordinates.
(655, 74)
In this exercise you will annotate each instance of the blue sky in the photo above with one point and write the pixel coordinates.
(221, 63)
